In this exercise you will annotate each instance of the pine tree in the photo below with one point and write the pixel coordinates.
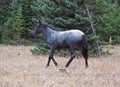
(27, 16)
(107, 18)
(17, 25)
(19, 21)
(7, 34)
(4, 12)
(66, 14)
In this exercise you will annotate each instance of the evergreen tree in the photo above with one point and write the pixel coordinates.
(27, 16)
(4, 11)
(17, 25)
(19, 22)
(107, 18)
(7, 34)
(66, 14)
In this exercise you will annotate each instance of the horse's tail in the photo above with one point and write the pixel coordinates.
(85, 49)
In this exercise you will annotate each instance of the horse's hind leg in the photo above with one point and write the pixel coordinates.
(85, 55)
(72, 51)
(48, 63)
(54, 61)
(51, 57)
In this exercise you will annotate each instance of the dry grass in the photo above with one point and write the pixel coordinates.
(19, 68)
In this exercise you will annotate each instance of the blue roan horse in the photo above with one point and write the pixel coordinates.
(71, 39)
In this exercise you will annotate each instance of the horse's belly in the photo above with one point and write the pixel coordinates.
(67, 44)
(62, 45)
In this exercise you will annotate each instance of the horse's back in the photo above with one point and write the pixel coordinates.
(75, 35)
(76, 32)
(70, 37)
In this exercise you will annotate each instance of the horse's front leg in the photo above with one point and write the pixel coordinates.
(52, 50)
(72, 51)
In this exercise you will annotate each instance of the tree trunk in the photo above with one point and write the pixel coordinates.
(91, 23)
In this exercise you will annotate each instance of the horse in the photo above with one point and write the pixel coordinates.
(72, 40)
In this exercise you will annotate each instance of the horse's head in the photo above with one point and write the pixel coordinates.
(38, 28)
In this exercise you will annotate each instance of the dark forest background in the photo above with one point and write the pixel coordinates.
(18, 18)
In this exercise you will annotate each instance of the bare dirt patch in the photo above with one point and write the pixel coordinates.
(19, 68)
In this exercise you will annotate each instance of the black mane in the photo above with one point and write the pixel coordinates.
(51, 26)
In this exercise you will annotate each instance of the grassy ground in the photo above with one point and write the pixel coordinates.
(19, 68)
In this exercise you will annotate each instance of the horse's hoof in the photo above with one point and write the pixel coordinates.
(66, 66)
(56, 64)
(86, 67)
(47, 66)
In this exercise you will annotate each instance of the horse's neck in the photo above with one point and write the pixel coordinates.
(48, 32)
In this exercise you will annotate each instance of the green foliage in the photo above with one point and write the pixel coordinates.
(9, 28)
(103, 13)
(27, 16)
(66, 14)
(6, 35)
(107, 20)
(40, 49)
(17, 25)
(17, 18)
(4, 11)
(19, 22)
